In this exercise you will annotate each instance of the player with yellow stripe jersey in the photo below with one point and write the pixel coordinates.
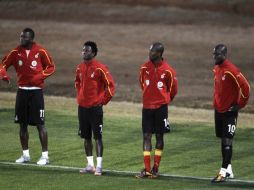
(230, 87)
(231, 92)
(94, 84)
(95, 88)
(32, 65)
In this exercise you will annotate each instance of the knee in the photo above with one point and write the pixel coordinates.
(227, 142)
(98, 141)
(98, 137)
(88, 141)
(23, 128)
(147, 137)
(160, 144)
(159, 141)
(41, 128)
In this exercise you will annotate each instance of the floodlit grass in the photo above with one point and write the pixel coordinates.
(190, 150)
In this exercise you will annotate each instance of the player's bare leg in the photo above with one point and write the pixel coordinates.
(99, 147)
(24, 137)
(99, 152)
(43, 135)
(88, 145)
(147, 147)
(157, 155)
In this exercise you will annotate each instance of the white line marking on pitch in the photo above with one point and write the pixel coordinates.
(122, 172)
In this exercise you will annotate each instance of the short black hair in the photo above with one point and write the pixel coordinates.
(221, 48)
(158, 47)
(93, 46)
(30, 31)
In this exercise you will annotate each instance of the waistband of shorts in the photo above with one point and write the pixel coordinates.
(29, 87)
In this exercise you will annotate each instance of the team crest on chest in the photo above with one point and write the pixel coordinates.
(20, 63)
(147, 82)
(159, 85)
(33, 64)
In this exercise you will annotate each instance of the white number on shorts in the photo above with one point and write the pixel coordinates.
(101, 128)
(41, 113)
(166, 122)
(231, 128)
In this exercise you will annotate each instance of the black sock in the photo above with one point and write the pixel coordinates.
(227, 155)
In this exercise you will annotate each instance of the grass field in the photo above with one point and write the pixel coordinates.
(190, 150)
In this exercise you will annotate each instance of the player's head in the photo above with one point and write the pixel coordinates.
(156, 52)
(89, 50)
(27, 37)
(219, 53)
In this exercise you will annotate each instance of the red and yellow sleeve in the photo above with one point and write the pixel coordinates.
(109, 85)
(141, 78)
(48, 64)
(172, 84)
(244, 90)
(77, 79)
(243, 86)
(6, 63)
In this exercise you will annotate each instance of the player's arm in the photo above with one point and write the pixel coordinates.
(141, 78)
(77, 79)
(109, 85)
(243, 86)
(3, 74)
(48, 64)
(6, 63)
(172, 84)
(244, 90)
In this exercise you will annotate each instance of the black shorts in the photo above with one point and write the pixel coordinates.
(155, 120)
(225, 124)
(90, 120)
(29, 107)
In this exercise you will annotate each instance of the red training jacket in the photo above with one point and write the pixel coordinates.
(230, 87)
(32, 70)
(94, 84)
(158, 83)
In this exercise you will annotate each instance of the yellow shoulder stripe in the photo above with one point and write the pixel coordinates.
(46, 55)
(171, 79)
(8, 57)
(231, 74)
(106, 80)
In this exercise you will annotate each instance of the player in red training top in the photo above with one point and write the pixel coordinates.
(159, 86)
(33, 65)
(231, 93)
(95, 88)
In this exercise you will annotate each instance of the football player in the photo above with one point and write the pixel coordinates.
(95, 87)
(159, 86)
(33, 65)
(231, 93)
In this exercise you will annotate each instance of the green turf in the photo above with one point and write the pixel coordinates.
(190, 150)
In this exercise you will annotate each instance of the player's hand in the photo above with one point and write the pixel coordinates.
(6, 79)
(4, 76)
(234, 108)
